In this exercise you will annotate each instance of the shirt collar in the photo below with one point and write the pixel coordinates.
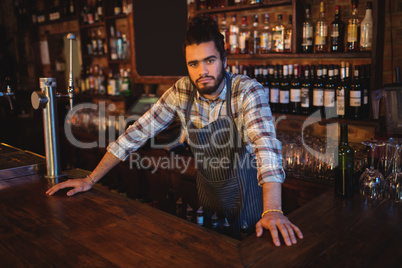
(221, 96)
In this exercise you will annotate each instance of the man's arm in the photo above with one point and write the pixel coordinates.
(80, 185)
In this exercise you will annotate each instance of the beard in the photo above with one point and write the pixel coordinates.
(208, 90)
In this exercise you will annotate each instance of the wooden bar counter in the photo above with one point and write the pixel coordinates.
(100, 229)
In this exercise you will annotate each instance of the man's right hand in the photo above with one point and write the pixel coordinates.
(78, 185)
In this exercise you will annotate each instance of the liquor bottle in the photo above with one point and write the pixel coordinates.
(354, 29)
(288, 36)
(189, 213)
(330, 94)
(101, 81)
(365, 91)
(356, 96)
(366, 34)
(117, 7)
(255, 37)
(284, 90)
(321, 34)
(266, 36)
(342, 94)
(71, 7)
(215, 221)
(278, 35)
(111, 85)
(126, 84)
(265, 81)
(318, 92)
(244, 36)
(223, 29)
(94, 43)
(90, 12)
(274, 91)
(200, 216)
(308, 32)
(306, 93)
(343, 181)
(234, 34)
(99, 10)
(112, 45)
(54, 13)
(119, 46)
(337, 32)
(295, 91)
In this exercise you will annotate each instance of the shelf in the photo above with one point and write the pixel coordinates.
(94, 56)
(244, 7)
(345, 55)
(119, 61)
(93, 25)
(113, 17)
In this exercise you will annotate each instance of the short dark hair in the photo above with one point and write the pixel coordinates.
(201, 29)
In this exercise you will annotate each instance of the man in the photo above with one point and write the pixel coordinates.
(225, 117)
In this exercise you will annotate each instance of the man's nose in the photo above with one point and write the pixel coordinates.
(203, 69)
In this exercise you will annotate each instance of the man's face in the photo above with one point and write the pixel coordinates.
(205, 68)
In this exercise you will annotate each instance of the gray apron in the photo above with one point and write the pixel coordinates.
(229, 188)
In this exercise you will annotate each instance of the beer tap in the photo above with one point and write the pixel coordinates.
(8, 93)
(46, 99)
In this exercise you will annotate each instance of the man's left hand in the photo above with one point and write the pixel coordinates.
(273, 221)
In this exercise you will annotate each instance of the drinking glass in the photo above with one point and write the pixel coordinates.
(372, 181)
(393, 183)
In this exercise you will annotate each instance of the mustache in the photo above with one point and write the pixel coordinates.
(205, 76)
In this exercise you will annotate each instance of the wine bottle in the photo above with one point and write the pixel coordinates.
(318, 92)
(284, 91)
(321, 35)
(342, 94)
(306, 92)
(343, 181)
(337, 32)
(274, 91)
(354, 29)
(295, 91)
(308, 32)
(356, 96)
(329, 94)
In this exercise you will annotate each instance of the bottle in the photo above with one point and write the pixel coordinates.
(125, 47)
(318, 92)
(343, 181)
(244, 230)
(365, 91)
(215, 221)
(90, 12)
(179, 208)
(112, 87)
(356, 96)
(366, 35)
(223, 29)
(255, 37)
(125, 84)
(284, 91)
(321, 34)
(288, 36)
(278, 35)
(295, 91)
(330, 94)
(101, 81)
(99, 10)
(342, 94)
(308, 32)
(274, 91)
(306, 92)
(354, 29)
(337, 32)
(266, 37)
(71, 7)
(113, 45)
(200, 216)
(234, 34)
(119, 46)
(244, 36)
(117, 7)
(265, 81)
(189, 213)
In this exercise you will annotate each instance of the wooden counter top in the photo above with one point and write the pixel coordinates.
(98, 229)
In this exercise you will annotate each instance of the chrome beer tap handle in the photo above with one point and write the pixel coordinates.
(9, 93)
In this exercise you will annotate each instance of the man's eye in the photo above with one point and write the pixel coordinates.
(193, 65)
(210, 61)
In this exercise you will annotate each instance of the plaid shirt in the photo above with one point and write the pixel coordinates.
(251, 114)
